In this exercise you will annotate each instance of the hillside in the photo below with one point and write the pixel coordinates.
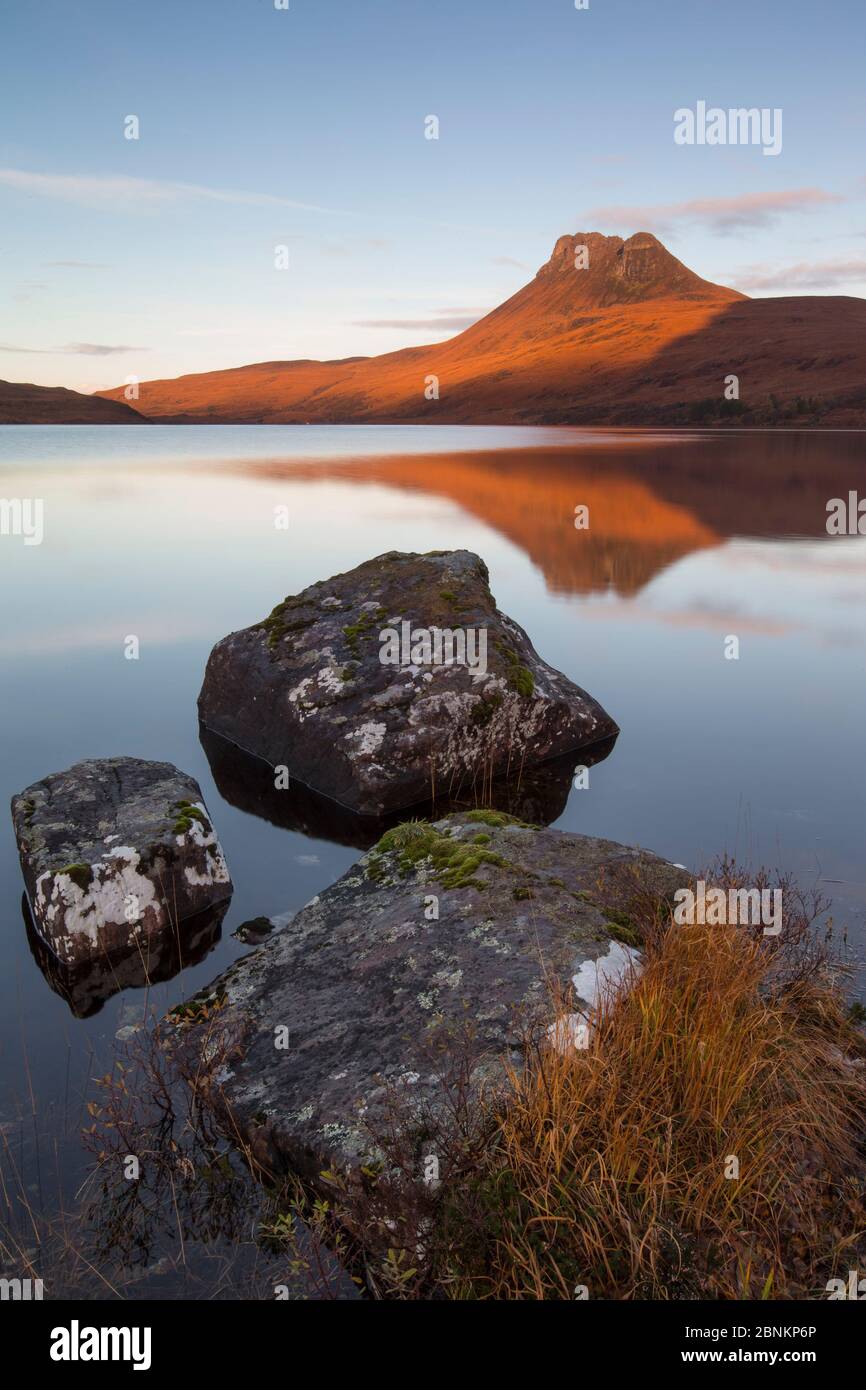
(635, 338)
(23, 404)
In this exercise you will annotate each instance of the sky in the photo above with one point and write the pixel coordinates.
(306, 128)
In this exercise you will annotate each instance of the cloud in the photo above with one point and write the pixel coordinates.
(810, 275)
(722, 214)
(28, 290)
(443, 320)
(79, 265)
(349, 246)
(510, 261)
(117, 191)
(76, 349)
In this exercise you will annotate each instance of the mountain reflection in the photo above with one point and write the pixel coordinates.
(652, 499)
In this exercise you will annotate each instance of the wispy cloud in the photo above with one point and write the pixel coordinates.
(28, 290)
(445, 319)
(79, 265)
(510, 261)
(117, 191)
(76, 349)
(349, 246)
(722, 214)
(808, 275)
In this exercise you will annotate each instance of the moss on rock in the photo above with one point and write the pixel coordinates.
(81, 875)
(454, 862)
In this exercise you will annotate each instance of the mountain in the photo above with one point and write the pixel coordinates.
(23, 404)
(634, 338)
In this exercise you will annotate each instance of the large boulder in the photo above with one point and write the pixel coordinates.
(476, 926)
(394, 683)
(115, 853)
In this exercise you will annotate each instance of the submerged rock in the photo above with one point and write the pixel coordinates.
(477, 926)
(397, 682)
(115, 853)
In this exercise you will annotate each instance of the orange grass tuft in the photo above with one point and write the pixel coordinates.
(610, 1168)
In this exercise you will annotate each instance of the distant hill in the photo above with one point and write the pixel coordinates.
(621, 333)
(23, 404)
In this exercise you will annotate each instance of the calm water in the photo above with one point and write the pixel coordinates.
(168, 533)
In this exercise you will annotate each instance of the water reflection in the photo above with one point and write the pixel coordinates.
(652, 500)
(86, 987)
(247, 782)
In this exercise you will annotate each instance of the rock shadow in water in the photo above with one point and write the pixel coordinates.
(247, 783)
(87, 987)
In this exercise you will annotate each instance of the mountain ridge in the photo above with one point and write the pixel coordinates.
(609, 330)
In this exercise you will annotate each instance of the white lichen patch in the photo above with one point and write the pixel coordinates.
(215, 869)
(298, 698)
(369, 737)
(445, 979)
(115, 881)
(595, 976)
(330, 680)
(591, 981)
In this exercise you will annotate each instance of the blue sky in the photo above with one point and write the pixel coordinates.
(305, 128)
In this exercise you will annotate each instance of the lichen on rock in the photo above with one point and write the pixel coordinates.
(378, 724)
(426, 938)
(116, 852)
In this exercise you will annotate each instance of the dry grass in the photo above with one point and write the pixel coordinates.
(608, 1169)
(611, 1168)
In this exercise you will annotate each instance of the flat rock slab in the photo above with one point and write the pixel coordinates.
(115, 853)
(306, 689)
(460, 929)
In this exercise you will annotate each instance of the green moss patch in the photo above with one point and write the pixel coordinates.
(185, 813)
(454, 862)
(497, 819)
(367, 619)
(518, 676)
(622, 928)
(280, 623)
(483, 710)
(81, 875)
